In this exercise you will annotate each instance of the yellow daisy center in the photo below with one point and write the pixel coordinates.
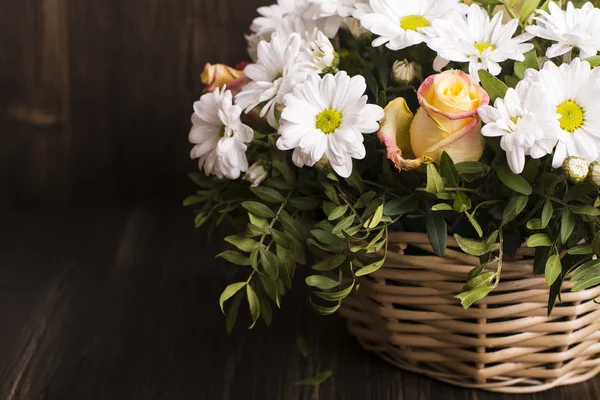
(572, 116)
(483, 46)
(329, 120)
(413, 22)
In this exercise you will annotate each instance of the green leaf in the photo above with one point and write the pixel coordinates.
(474, 247)
(234, 257)
(286, 171)
(303, 346)
(492, 85)
(294, 227)
(304, 203)
(267, 194)
(442, 207)
(337, 213)
(321, 282)
(254, 304)
(343, 224)
(258, 209)
(474, 223)
(400, 206)
(243, 243)
(259, 222)
(476, 289)
(336, 296)
(590, 268)
(437, 231)
(547, 214)
(330, 263)
(193, 199)
(594, 61)
(471, 169)
(579, 192)
(567, 225)
(281, 239)
(376, 219)
(530, 59)
(315, 380)
(449, 170)
(232, 312)
(553, 269)
(515, 206)
(534, 224)
(229, 292)
(364, 200)
(462, 202)
(586, 210)
(582, 249)
(266, 311)
(270, 263)
(435, 183)
(325, 310)
(514, 181)
(369, 269)
(528, 8)
(539, 240)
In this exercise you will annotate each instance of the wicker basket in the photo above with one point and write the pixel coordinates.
(406, 312)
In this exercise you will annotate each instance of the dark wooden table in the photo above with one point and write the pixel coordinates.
(121, 303)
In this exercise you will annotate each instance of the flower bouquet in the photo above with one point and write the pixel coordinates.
(441, 156)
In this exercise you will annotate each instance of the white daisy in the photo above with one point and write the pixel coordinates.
(405, 23)
(219, 135)
(342, 8)
(572, 91)
(273, 17)
(280, 65)
(525, 122)
(569, 28)
(327, 117)
(476, 39)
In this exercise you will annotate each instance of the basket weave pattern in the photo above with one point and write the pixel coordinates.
(406, 312)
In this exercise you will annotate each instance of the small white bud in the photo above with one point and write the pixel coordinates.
(594, 174)
(576, 169)
(356, 29)
(256, 174)
(405, 72)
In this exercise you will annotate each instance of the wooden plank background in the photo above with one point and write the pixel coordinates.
(96, 96)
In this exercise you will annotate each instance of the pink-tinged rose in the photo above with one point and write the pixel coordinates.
(218, 75)
(394, 134)
(447, 120)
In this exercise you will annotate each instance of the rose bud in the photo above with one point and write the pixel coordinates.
(218, 75)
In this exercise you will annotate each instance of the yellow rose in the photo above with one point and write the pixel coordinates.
(446, 122)
(218, 75)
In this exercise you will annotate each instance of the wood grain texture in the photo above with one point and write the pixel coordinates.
(122, 304)
(97, 95)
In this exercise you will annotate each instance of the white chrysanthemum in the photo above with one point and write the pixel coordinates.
(320, 53)
(525, 122)
(405, 23)
(280, 65)
(476, 39)
(219, 135)
(256, 174)
(569, 28)
(572, 90)
(327, 117)
(274, 17)
(342, 8)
